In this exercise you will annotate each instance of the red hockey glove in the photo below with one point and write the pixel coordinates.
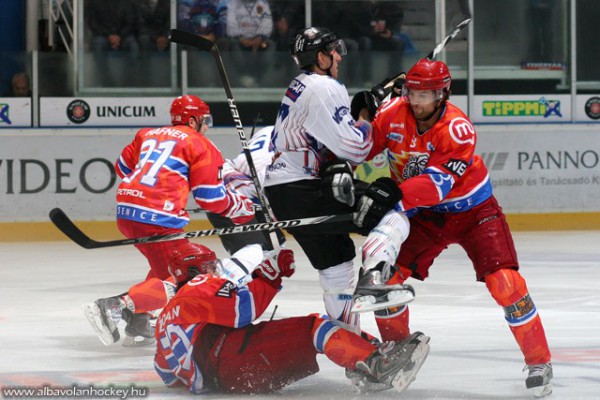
(277, 264)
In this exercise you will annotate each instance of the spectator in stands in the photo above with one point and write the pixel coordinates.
(206, 18)
(154, 24)
(21, 86)
(249, 27)
(288, 17)
(112, 24)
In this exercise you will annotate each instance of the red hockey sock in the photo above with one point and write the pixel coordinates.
(393, 322)
(149, 295)
(509, 290)
(342, 347)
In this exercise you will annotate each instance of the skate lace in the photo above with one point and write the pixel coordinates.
(537, 369)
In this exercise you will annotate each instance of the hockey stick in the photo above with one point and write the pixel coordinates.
(66, 226)
(189, 39)
(388, 83)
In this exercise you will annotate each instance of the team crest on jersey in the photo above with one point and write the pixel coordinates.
(462, 131)
(295, 90)
(457, 167)
(407, 164)
(339, 113)
(226, 290)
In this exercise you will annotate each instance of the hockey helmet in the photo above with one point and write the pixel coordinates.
(307, 44)
(185, 107)
(196, 259)
(427, 75)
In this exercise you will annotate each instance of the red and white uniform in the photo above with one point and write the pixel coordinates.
(160, 168)
(437, 169)
(204, 300)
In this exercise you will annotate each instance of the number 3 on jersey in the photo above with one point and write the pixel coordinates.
(158, 155)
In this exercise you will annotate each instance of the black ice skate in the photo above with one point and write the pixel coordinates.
(373, 294)
(394, 365)
(139, 330)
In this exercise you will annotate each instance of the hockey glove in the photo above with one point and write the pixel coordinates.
(337, 181)
(277, 264)
(381, 196)
(241, 210)
(364, 100)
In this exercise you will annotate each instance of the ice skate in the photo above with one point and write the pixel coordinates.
(373, 294)
(139, 330)
(538, 380)
(395, 365)
(104, 315)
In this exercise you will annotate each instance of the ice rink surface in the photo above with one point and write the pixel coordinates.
(45, 339)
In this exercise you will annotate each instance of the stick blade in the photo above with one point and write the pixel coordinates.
(189, 39)
(66, 226)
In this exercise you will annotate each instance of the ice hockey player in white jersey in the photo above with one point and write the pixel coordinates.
(238, 178)
(317, 142)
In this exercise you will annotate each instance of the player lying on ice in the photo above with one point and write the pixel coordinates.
(206, 339)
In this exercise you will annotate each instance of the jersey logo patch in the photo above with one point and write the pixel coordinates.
(339, 113)
(457, 167)
(295, 90)
(226, 290)
(462, 131)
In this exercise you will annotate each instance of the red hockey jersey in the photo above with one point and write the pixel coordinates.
(437, 169)
(160, 168)
(204, 300)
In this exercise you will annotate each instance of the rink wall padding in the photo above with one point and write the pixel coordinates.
(107, 230)
(545, 176)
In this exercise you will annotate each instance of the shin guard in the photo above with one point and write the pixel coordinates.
(393, 323)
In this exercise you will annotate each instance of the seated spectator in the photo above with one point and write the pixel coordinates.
(249, 26)
(21, 86)
(113, 24)
(154, 24)
(206, 18)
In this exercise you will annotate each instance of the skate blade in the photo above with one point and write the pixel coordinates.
(92, 313)
(541, 391)
(404, 378)
(394, 299)
(138, 341)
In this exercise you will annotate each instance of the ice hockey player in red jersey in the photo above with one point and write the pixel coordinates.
(445, 188)
(159, 170)
(207, 341)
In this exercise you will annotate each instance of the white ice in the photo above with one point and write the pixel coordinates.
(45, 339)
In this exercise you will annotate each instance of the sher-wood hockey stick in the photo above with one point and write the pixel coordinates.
(189, 39)
(66, 226)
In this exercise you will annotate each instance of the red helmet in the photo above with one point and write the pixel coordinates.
(428, 75)
(185, 264)
(185, 107)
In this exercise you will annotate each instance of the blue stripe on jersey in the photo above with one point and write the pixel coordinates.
(463, 204)
(442, 181)
(209, 192)
(244, 307)
(321, 334)
(177, 166)
(149, 216)
(124, 169)
(167, 377)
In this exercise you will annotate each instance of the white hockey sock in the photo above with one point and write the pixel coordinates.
(384, 241)
(338, 285)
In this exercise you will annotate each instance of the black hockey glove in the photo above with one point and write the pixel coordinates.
(365, 99)
(337, 181)
(381, 196)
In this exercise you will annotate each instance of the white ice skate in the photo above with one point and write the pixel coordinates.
(538, 380)
(104, 315)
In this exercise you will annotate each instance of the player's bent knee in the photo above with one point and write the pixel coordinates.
(509, 289)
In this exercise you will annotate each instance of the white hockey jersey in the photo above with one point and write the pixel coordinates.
(236, 173)
(313, 120)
